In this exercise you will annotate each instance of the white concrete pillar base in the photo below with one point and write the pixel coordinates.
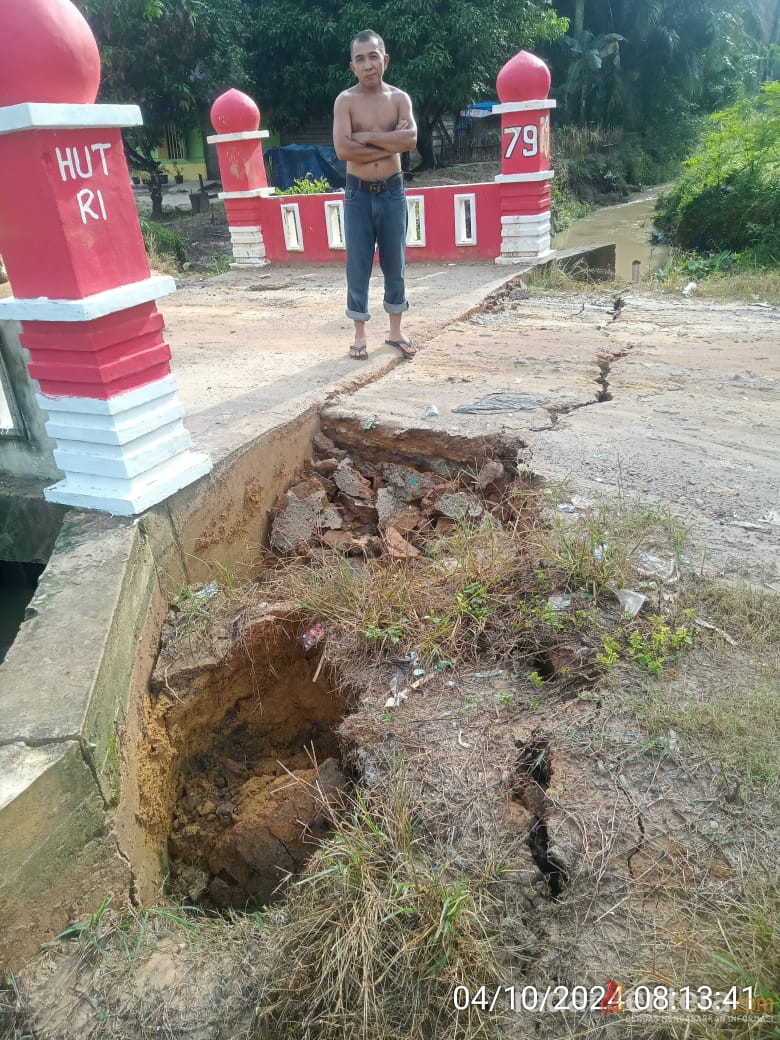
(130, 497)
(525, 237)
(248, 247)
(124, 454)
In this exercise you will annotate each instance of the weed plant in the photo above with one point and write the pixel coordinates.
(383, 925)
(734, 944)
(307, 185)
(168, 248)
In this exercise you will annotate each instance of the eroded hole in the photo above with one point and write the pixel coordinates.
(252, 797)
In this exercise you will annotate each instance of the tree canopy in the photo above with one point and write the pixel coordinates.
(677, 58)
(444, 53)
(171, 57)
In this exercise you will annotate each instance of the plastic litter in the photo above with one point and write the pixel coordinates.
(713, 628)
(418, 672)
(430, 409)
(631, 601)
(395, 700)
(462, 742)
(401, 695)
(655, 567)
(689, 288)
(450, 683)
(600, 551)
(566, 507)
(503, 401)
(559, 602)
(409, 658)
(369, 422)
(312, 636)
(208, 591)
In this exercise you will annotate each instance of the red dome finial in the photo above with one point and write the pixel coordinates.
(235, 113)
(48, 54)
(524, 78)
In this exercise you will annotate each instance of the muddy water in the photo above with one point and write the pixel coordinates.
(629, 225)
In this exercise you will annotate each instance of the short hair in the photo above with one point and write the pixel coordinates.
(363, 37)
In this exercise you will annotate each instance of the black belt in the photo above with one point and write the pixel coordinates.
(375, 187)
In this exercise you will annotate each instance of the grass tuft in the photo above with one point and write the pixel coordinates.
(379, 930)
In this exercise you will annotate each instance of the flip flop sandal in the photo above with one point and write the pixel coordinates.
(358, 352)
(406, 346)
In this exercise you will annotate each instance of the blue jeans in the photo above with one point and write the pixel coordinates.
(370, 219)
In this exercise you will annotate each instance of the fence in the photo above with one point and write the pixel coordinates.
(451, 222)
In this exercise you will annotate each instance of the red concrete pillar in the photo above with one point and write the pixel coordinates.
(76, 262)
(523, 85)
(236, 118)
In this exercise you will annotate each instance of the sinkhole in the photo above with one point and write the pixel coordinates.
(255, 766)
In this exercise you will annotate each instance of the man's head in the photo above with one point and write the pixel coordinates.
(369, 59)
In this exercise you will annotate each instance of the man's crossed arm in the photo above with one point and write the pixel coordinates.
(363, 146)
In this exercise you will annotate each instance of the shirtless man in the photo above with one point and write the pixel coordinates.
(372, 124)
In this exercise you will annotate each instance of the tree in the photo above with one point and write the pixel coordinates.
(170, 57)
(679, 60)
(588, 53)
(728, 197)
(444, 53)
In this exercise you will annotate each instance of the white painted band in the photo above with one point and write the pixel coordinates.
(247, 135)
(89, 307)
(253, 193)
(523, 220)
(34, 115)
(122, 429)
(130, 497)
(519, 178)
(528, 259)
(165, 387)
(523, 106)
(104, 460)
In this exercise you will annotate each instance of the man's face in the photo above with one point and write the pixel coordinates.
(369, 62)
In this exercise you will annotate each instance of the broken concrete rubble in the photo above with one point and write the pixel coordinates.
(357, 502)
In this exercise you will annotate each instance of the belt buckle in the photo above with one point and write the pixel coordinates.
(375, 187)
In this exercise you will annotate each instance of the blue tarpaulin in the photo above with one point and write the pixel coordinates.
(296, 160)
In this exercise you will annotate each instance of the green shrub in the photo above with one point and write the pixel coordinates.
(165, 246)
(307, 185)
(728, 198)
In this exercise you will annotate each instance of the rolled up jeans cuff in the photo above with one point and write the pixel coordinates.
(358, 315)
(396, 308)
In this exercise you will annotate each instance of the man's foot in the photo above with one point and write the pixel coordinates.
(406, 346)
(358, 351)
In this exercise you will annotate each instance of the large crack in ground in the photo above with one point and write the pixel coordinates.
(533, 773)
(605, 363)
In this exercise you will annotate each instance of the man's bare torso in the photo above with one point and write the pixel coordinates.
(379, 112)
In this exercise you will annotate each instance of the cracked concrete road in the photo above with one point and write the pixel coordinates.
(253, 349)
(675, 400)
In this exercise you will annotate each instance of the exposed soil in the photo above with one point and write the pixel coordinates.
(235, 738)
